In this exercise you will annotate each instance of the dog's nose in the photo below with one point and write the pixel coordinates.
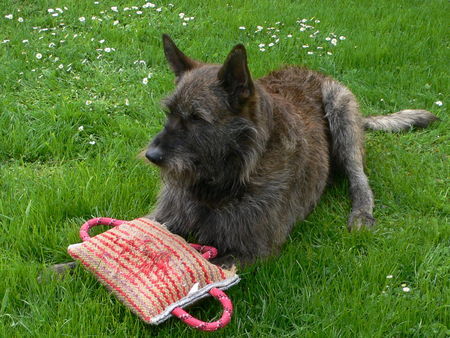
(154, 155)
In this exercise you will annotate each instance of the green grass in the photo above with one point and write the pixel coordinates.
(326, 282)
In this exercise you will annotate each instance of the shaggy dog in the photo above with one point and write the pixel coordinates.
(242, 160)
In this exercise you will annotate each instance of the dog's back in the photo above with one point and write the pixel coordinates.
(300, 138)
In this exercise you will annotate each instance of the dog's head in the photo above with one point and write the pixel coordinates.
(211, 129)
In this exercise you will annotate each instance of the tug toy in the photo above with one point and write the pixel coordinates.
(154, 272)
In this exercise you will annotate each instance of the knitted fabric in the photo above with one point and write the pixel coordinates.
(151, 270)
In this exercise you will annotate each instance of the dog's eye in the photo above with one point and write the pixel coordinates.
(195, 117)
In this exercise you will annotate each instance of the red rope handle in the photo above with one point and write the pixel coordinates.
(204, 326)
(84, 230)
(207, 252)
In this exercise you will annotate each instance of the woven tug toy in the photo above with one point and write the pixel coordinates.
(154, 272)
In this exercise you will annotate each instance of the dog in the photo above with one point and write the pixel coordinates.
(243, 160)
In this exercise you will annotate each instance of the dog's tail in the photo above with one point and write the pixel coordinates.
(402, 120)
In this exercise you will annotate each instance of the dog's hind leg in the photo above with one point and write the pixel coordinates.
(347, 140)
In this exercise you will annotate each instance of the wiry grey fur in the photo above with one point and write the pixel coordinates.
(402, 120)
(243, 160)
(347, 148)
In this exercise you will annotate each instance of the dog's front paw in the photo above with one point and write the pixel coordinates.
(360, 219)
(225, 262)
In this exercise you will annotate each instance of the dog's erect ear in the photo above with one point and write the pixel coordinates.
(235, 76)
(178, 62)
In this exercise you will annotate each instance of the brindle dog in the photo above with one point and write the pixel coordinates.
(242, 160)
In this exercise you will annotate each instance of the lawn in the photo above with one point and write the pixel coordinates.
(80, 86)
